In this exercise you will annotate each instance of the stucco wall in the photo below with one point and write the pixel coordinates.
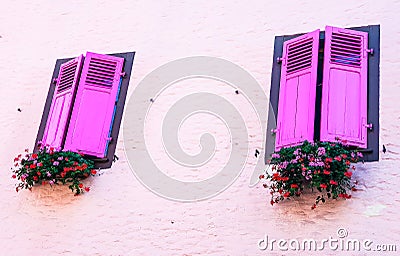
(120, 216)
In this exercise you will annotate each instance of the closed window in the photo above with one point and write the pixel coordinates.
(325, 86)
(85, 104)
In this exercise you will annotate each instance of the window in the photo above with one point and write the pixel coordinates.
(84, 105)
(325, 84)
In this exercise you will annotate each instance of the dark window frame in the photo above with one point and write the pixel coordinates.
(106, 162)
(371, 153)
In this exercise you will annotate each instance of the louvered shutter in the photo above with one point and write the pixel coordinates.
(344, 88)
(62, 103)
(92, 116)
(296, 107)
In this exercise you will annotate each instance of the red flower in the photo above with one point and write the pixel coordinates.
(260, 177)
(328, 160)
(287, 194)
(34, 156)
(338, 158)
(35, 178)
(81, 154)
(327, 172)
(16, 189)
(19, 156)
(272, 202)
(354, 189)
(39, 164)
(344, 156)
(285, 178)
(348, 174)
(332, 182)
(303, 168)
(280, 191)
(87, 189)
(265, 185)
(16, 159)
(32, 166)
(38, 173)
(294, 186)
(94, 172)
(16, 164)
(14, 176)
(323, 186)
(26, 150)
(345, 196)
(66, 159)
(63, 174)
(80, 185)
(313, 207)
(347, 162)
(51, 149)
(43, 183)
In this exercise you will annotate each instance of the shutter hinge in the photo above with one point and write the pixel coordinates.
(122, 74)
(279, 59)
(54, 81)
(368, 126)
(370, 51)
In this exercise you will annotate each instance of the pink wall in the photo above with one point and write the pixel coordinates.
(121, 217)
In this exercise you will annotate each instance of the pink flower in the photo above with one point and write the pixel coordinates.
(321, 151)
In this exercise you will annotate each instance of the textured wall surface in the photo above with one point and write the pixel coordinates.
(120, 216)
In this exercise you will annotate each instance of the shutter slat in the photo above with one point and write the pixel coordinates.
(296, 106)
(344, 87)
(92, 117)
(62, 103)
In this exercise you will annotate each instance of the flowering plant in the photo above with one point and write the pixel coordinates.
(47, 166)
(324, 166)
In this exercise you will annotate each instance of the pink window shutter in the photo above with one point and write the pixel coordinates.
(344, 87)
(92, 116)
(296, 107)
(62, 103)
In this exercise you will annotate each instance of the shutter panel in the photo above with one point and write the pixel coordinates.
(296, 107)
(62, 103)
(92, 116)
(344, 87)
